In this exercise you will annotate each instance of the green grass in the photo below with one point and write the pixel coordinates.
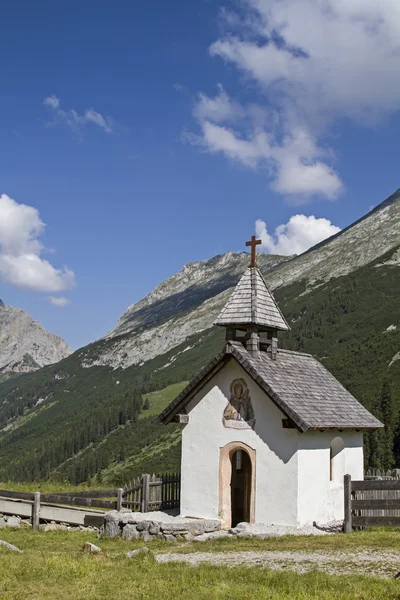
(160, 399)
(53, 567)
(50, 487)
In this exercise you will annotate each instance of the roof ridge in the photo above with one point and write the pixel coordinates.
(305, 392)
(253, 294)
(273, 298)
(285, 351)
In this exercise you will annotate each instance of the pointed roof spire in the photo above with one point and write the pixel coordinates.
(251, 302)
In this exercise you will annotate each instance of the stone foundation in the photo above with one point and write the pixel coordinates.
(156, 525)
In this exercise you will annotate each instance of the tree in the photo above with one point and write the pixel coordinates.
(389, 420)
(375, 439)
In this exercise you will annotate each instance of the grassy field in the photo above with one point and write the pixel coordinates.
(53, 566)
(50, 487)
(160, 399)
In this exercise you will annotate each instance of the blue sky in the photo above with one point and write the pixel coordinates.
(149, 135)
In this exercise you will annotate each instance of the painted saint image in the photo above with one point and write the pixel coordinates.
(239, 407)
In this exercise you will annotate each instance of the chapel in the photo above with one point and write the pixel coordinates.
(267, 434)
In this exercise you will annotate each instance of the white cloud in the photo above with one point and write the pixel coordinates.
(313, 62)
(179, 87)
(328, 53)
(218, 109)
(294, 160)
(76, 121)
(91, 116)
(52, 101)
(21, 263)
(296, 236)
(295, 164)
(59, 301)
(221, 139)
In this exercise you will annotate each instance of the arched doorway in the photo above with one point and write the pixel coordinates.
(240, 487)
(237, 483)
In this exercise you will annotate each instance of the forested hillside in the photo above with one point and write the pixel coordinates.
(71, 422)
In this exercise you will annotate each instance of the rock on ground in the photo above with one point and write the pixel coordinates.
(130, 532)
(133, 553)
(10, 546)
(91, 548)
(214, 535)
(13, 522)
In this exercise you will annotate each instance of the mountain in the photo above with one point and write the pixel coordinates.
(25, 345)
(93, 413)
(183, 304)
(189, 301)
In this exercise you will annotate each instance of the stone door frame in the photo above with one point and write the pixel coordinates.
(225, 476)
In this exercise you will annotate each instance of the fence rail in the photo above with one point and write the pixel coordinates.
(371, 502)
(68, 498)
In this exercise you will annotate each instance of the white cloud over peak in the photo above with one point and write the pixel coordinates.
(21, 263)
(312, 62)
(296, 236)
(59, 301)
(75, 120)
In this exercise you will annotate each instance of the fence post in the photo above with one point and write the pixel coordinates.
(145, 492)
(36, 510)
(120, 491)
(347, 504)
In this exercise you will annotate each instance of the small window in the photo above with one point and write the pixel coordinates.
(239, 460)
(336, 460)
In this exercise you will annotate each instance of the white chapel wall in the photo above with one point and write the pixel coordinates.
(205, 435)
(320, 498)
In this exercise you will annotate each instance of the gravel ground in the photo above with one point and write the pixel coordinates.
(378, 563)
(262, 530)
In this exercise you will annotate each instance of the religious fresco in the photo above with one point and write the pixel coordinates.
(239, 413)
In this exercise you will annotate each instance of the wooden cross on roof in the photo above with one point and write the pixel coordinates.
(253, 243)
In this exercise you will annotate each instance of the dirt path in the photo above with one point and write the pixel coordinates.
(372, 562)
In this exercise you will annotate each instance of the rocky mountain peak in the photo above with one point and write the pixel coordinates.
(24, 344)
(189, 301)
(195, 283)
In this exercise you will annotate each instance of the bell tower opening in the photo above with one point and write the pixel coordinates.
(251, 316)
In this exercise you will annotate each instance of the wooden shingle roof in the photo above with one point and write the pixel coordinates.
(251, 303)
(300, 386)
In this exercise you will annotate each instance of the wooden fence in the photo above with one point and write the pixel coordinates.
(152, 492)
(145, 493)
(92, 499)
(378, 474)
(374, 501)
